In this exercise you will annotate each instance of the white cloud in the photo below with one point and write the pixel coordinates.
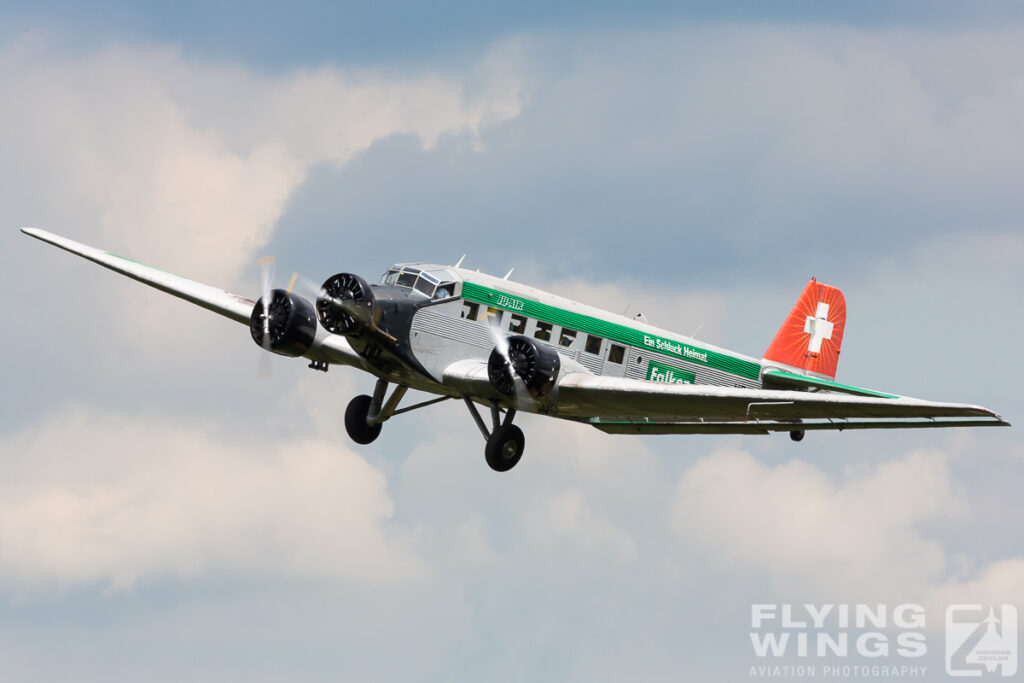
(568, 517)
(148, 150)
(90, 497)
(1001, 582)
(815, 536)
(872, 534)
(193, 162)
(187, 165)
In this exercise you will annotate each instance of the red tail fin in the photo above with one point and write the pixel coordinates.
(810, 338)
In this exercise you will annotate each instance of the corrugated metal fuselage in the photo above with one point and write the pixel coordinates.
(468, 326)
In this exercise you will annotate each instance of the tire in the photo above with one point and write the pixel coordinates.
(797, 435)
(355, 421)
(505, 448)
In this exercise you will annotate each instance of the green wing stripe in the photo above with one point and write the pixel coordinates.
(609, 330)
(802, 380)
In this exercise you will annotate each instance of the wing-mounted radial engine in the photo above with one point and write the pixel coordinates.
(287, 326)
(346, 305)
(535, 364)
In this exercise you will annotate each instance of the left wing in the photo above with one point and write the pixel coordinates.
(622, 405)
(329, 348)
(217, 300)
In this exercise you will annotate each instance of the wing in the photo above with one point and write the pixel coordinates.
(621, 405)
(327, 347)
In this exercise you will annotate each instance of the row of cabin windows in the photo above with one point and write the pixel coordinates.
(543, 331)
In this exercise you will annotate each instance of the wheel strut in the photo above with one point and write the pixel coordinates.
(496, 418)
(379, 414)
(505, 441)
(366, 414)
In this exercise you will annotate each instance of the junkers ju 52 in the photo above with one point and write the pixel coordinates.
(506, 347)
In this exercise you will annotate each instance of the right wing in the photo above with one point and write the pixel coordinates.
(327, 347)
(631, 406)
(623, 405)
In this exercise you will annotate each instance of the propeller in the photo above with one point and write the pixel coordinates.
(266, 266)
(502, 347)
(274, 311)
(346, 304)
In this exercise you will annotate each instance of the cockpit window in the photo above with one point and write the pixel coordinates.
(436, 284)
(407, 278)
(426, 286)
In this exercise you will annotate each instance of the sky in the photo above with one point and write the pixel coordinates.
(167, 514)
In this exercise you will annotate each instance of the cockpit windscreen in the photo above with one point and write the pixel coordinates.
(432, 284)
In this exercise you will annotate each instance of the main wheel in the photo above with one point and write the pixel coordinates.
(797, 435)
(505, 448)
(359, 430)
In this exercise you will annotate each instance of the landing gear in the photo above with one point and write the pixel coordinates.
(365, 415)
(357, 420)
(505, 441)
(797, 435)
(505, 448)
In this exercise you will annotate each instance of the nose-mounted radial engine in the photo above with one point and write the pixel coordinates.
(346, 304)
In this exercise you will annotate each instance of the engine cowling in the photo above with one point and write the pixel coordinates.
(290, 323)
(346, 304)
(535, 364)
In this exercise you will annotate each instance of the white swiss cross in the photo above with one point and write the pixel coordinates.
(818, 327)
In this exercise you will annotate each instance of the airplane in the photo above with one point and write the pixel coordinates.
(464, 335)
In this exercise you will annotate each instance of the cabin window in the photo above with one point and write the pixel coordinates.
(593, 344)
(470, 310)
(543, 331)
(567, 338)
(493, 316)
(517, 324)
(616, 354)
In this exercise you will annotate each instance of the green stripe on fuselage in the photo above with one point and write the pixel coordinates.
(609, 330)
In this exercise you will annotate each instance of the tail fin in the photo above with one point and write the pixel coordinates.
(808, 342)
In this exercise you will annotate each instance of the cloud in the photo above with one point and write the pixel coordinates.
(577, 492)
(95, 497)
(1001, 582)
(804, 530)
(717, 154)
(679, 157)
(859, 536)
(187, 165)
(568, 517)
(193, 162)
